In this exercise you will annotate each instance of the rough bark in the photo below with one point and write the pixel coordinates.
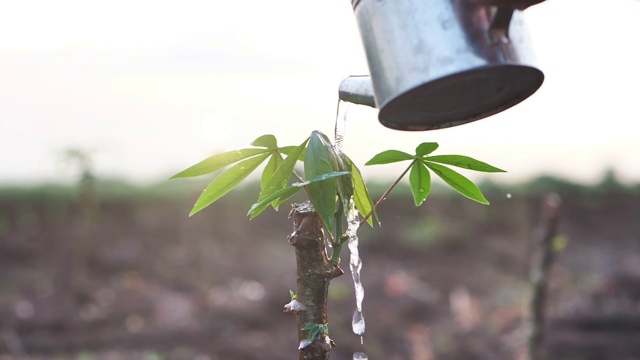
(315, 271)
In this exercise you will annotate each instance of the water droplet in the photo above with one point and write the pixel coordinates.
(360, 356)
(509, 196)
(421, 190)
(357, 324)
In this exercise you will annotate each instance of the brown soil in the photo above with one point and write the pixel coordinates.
(138, 279)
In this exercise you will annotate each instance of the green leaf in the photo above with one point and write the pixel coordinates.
(272, 165)
(361, 197)
(292, 294)
(286, 196)
(227, 181)
(321, 178)
(460, 183)
(322, 194)
(389, 156)
(268, 141)
(345, 183)
(288, 149)
(426, 148)
(217, 162)
(279, 197)
(420, 181)
(281, 176)
(315, 329)
(463, 162)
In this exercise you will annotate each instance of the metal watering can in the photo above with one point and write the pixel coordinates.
(441, 63)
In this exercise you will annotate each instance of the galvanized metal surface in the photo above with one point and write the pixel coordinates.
(441, 63)
(357, 90)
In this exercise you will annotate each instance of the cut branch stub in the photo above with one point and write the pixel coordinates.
(315, 271)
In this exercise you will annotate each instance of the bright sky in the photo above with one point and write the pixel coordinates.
(151, 87)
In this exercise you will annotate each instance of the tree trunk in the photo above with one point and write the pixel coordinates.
(315, 271)
(540, 274)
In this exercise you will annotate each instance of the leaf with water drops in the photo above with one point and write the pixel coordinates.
(227, 181)
(463, 162)
(426, 148)
(457, 181)
(389, 156)
(420, 181)
(217, 162)
(269, 141)
(322, 194)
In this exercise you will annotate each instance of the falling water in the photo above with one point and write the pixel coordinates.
(353, 220)
(341, 123)
(355, 264)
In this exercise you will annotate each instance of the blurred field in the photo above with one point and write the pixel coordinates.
(118, 272)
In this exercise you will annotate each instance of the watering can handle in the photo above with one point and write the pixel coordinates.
(512, 4)
(499, 27)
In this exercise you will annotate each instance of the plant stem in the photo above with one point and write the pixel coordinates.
(315, 272)
(335, 255)
(386, 193)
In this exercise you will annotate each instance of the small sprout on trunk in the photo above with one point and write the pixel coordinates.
(315, 329)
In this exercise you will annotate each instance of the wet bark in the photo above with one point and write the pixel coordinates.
(315, 271)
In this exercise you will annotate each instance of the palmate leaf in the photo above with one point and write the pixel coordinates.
(420, 181)
(227, 181)
(318, 161)
(278, 181)
(389, 156)
(282, 174)
(217, 162)
(463, 162)
(457, 181)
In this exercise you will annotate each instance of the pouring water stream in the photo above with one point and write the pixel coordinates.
(353, 221)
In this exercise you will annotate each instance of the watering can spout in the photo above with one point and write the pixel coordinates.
(441, 63)
(357, 90)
